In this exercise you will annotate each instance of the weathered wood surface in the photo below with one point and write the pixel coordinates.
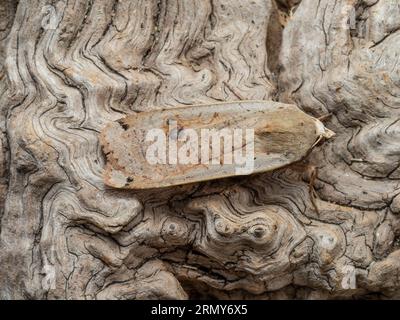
(205, 142)
(66, 72)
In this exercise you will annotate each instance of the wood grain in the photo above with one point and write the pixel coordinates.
(67, 73)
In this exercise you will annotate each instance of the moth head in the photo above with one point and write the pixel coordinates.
(323, 131)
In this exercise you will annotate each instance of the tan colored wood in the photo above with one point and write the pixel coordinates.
(280, 134)
(70, 68)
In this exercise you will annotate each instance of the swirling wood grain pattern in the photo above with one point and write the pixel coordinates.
(69, 69)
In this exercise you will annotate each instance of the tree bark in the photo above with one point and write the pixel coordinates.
(69, 68)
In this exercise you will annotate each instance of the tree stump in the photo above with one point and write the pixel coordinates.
(69, 68)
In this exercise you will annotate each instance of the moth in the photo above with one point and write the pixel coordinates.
(197, 143)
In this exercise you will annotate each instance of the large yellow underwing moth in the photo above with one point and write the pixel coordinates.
(205, 142)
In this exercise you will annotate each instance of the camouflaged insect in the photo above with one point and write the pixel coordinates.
(205, 142)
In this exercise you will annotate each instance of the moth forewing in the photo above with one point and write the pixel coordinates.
(205, 142)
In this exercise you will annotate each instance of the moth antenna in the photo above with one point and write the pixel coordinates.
(325, 117)
(313, 194)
